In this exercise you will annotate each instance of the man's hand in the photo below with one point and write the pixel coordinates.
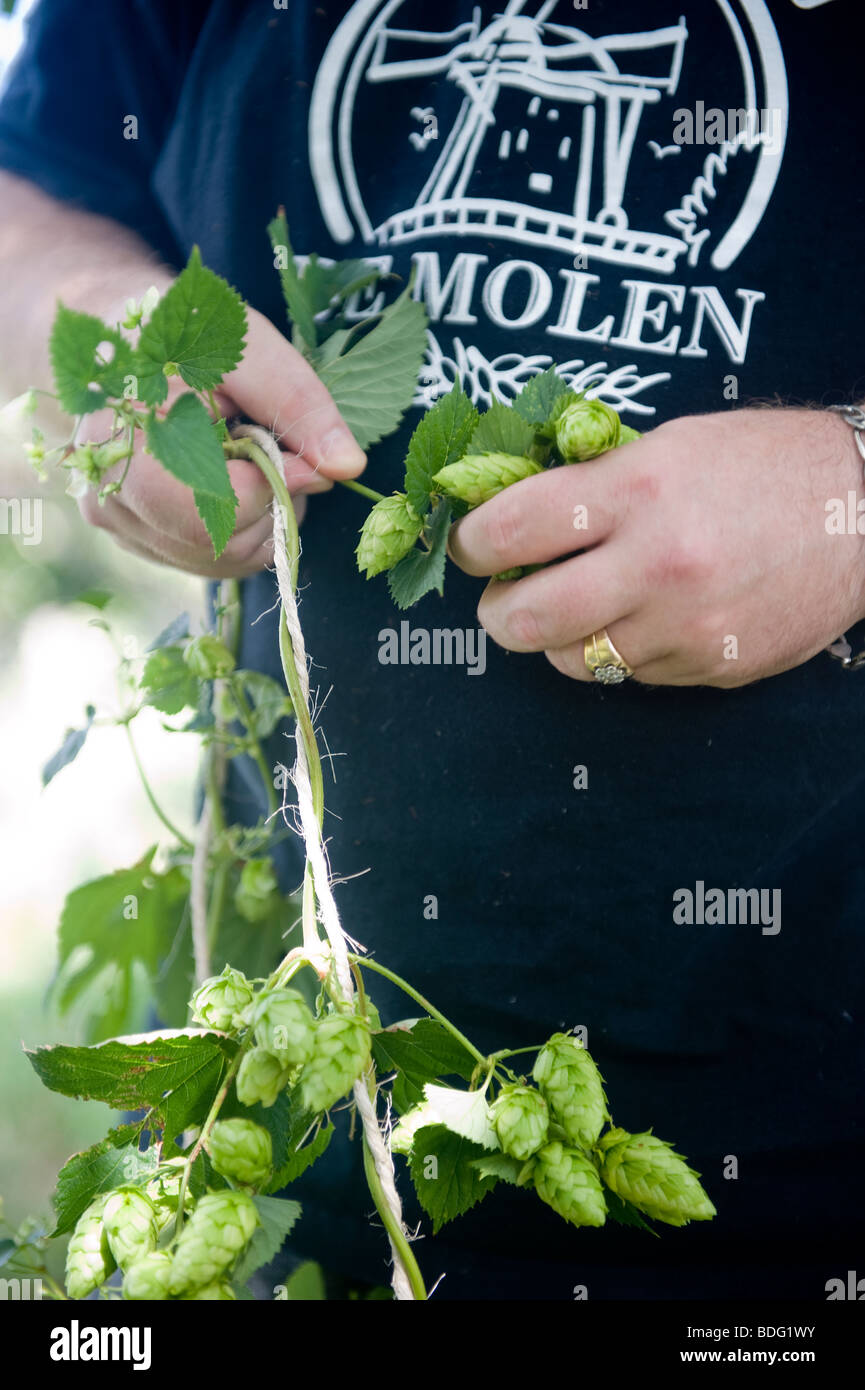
(154, 514)
(706, 553)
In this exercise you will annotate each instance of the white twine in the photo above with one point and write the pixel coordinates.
(311, 830)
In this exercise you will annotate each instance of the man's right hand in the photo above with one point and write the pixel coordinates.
(154, 514)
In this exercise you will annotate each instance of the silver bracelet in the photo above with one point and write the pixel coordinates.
(841, 649)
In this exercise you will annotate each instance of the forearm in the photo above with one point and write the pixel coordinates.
(50, 250)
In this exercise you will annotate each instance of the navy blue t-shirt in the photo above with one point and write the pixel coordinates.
(534, 162)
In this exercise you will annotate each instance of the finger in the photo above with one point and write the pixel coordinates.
(277, 387)
(544, 517)
(559, 605)
(649, 662)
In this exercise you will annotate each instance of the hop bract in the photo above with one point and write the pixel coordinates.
(341, 1053)
(388, 534)
(213, 1237)
(478, 477)
(573, 1088)
(586, 429)
(89, 1260)
(208, 657)
(646, 1171)
(219, 1292)
(241, 1150)
(568, 1182)
(149, 1278)
(219, 1002)
(130, 1224)
(260, 1078)
(285, 1026)
(521, 1120)
(255, 891)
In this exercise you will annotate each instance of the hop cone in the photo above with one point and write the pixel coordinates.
(478, 477)
(286, 1027)
(164, 1192)
(89, 1260)
(208, 657)
(255, 891)
(211, 1293)
(646, 1171)
(627, 435)
(586, 429)
(148, 1279)
(213, 1237)
(220, 1001)
(568, 1182)
(340, 1055)
(261, 1077)
(241, 1150)
(572, 1087)
(521, 1120)
(130, 1225)
(388, 534)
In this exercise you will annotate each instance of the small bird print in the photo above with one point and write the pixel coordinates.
(660, 152)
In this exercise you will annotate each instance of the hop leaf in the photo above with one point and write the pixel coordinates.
(648, 1172)
(216, 1232)
(130, 1225)
(477, 477)
(585, 429)
(388, 534)
(568, 1182)
(341, 1053)
(521, 1120)
(285, 1026)
(89, 1260)
(242, 1151)
(261, 1077)
(220, 1001)
(149, 1278)
(572, 1087)
(207, 657)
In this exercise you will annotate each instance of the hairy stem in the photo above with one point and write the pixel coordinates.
(406, 988)
(148, 791)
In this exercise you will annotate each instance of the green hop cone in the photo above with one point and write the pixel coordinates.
(219, 1292)
(149, 1279)
(627, 436)
(164, 1192)
(586, 429)
(220, 1002)
(211, 1240)
(521, 1120)
(285, 1026)
(478, 477)
(208, 658)
(572, 1087)
(568, 1182)
(261, 1077)
(255, 891)
(388, 534)
(650, 1174)
(130, 1225)
(242, 1151)
(340, 1055)
(89, 1260)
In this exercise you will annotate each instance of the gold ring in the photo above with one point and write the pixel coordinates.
(606, 664)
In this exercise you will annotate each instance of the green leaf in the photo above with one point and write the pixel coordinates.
(324, 285)
(463, 1112)
(422, 570)
(185, 442)
(374, 382)
(441, 438)
(199, 326)
(502, 430)
(114, 1160)
(69, 748)
(289, 1159)
(175, 632)
(500, 1166)
(625, 1213)
(306, 1284)
(253, 951)
(268, 700)
(83, 379)
(219, 515)
(425, 1052)
(95, 598)
(405, 1093)
(169, 681)
(446, 1182)
(537, 401)
(278, 1216)
(300, 310)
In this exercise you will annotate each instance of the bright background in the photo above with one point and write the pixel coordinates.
(93, 818)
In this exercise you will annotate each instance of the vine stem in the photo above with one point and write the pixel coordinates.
(366, 964)
(148, 791)
(364, 491)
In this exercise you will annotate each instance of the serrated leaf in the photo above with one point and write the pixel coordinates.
(219, 515)
(502, 430)
(198, 325)
(374, 382)
(105, 1165)
(445, 1181)
(422, 1053)
(294, 293)
(421, 571)
(500, 1166)
(537, 400)
(83, 380)
(463, 1112)
(186, 443)
(441, 438)
(69, 748)
(278, 1216)
(625, 1213)
(289, 1159)
(170, 684)
(176, 631)
(324, 285)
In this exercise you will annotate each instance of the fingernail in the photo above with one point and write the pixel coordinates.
(341, 453)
